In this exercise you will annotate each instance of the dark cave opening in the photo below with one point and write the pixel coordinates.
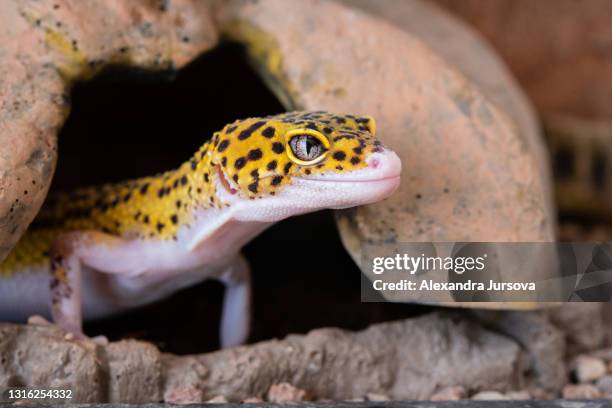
(129, 123)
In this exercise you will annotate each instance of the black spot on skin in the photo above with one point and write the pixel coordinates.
(175, 184)
(253, 187)
(312, 126)
(287, 167)
(194, 164)
(339, 168)
(223, 145)
(184, 180)
(307, 171)
(268, 132)
(255, 173)
(246, 133)
(344, 136)
(224, 161)
(206, 178)
(114, 202)
(240, 163)
(199, 190)
(178, 203)
(161, 192)
(144, 188)
(340, 120)
(272, 165)
(358, 150)
(160, 226)
(278, 147)
(255, 154)
(174, 219)
(339, 155)
(235, 178)
(355, 160)
(145, 219)
(327, 130)
(363, 128)
(362, 120)
(127, 197)
(230, 129)
(277, 180)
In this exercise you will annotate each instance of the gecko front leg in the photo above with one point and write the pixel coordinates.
(68, 254)
(236, 314)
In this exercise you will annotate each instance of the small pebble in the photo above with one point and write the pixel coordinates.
(489, 396)
(285, 392)
(185, 394)
(219, 399)
(453, 393)
(580, 391)
(253, 400)
(588, 368)
(38, 321)
(518, 395)
(604, 384)
(377, 397)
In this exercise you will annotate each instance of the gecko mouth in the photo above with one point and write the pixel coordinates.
(224, 181)
(350, 180)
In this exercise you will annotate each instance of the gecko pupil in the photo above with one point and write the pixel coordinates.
(306, 147)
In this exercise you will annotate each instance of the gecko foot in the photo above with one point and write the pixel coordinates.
(70, 333)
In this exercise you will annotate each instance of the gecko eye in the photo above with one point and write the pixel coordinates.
(306, 146)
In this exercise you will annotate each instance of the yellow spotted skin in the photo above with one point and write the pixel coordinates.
(249, 157)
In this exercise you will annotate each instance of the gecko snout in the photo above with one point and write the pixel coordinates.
(386, 163)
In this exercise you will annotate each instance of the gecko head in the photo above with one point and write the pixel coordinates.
(299, 162)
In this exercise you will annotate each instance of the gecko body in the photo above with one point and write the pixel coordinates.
(102, 250)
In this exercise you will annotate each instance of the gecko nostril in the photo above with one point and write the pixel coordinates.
(375, 163)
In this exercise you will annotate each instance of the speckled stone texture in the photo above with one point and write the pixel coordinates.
(558, 49)
(45, 47)
(408, 359)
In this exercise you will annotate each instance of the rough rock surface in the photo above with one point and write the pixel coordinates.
(558, 49)
(46, 46)
(582, 324)
(543, 343)
(408, 359)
